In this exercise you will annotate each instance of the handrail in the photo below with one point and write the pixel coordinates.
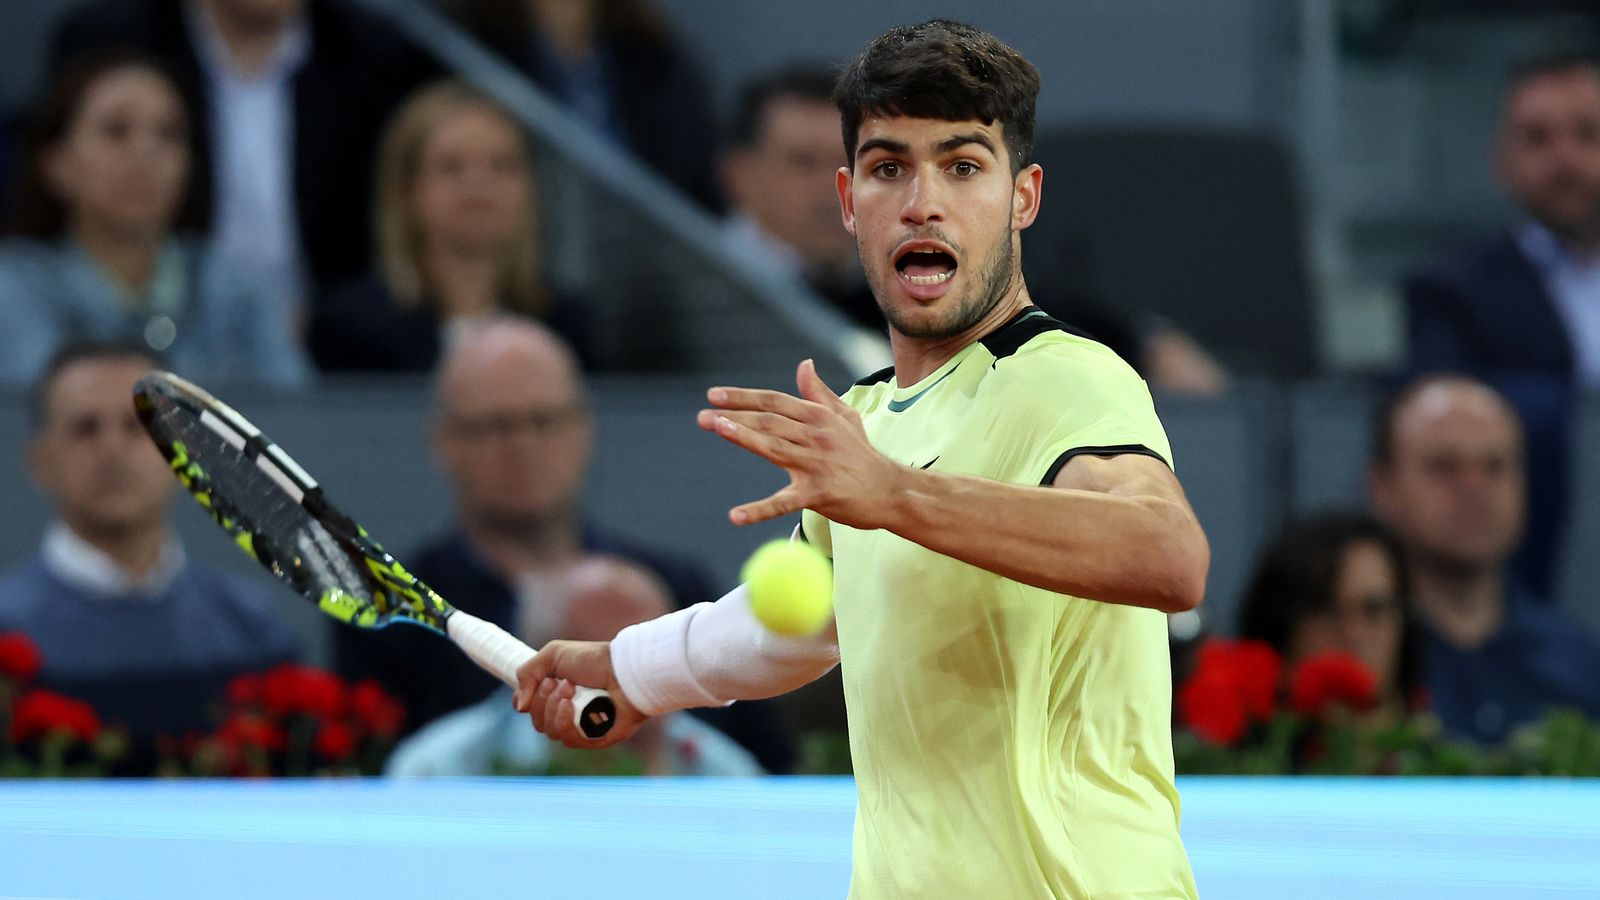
(657, 200)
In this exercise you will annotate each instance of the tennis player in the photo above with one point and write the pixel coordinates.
(1004, 522)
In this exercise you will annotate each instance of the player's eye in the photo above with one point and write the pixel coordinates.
(888, 169)
(965, 169)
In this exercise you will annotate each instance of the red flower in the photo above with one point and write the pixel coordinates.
(1234, 683)
(334, 741)
(40, 713)
(294, 689)
(246, 690)
(249, 729)
(1332, 678)
(375, 711)
(19, 658)
(1212, 708)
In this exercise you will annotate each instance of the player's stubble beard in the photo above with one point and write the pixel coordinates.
(993, 283)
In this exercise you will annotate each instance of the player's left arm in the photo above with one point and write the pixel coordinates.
(1111, 528)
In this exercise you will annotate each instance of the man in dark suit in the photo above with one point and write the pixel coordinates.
(1522, 309)
(288, 98)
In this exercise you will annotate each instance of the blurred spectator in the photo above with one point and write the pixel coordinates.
(1337, 581)
(601, 597)
(1521, 309)
(514, 433)
(458, 239)
(105, 246)
(121, 617)
(288, 99)
(1448, 479)
(779, 176)
(619, 68)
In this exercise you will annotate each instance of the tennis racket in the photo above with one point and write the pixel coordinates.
(276, 513)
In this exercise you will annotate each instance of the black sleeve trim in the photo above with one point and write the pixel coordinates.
(1022, 328)
(1111, 450)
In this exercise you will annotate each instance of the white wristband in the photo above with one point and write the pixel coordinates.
(651, 662)
(712, 654)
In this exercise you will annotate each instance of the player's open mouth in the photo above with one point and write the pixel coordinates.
(925, 267)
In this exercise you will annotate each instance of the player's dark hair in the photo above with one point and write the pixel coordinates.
(76, 352)
(800, 80)
(1295, 578)
(941, 70)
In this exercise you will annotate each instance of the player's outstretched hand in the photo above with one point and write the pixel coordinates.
(818, 440)
(545, 688)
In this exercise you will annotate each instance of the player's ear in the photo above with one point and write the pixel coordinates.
(1026, 191)
(844, 182)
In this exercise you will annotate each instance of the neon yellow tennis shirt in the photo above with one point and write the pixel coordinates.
(1008, 742)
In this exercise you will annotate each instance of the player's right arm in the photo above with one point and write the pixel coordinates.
(710, 654)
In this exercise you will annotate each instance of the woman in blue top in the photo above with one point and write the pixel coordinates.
(104, 240)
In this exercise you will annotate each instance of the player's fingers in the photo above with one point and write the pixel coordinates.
(776, 506)
(557, 726)
(758, 400)
(536, 704)
(529, 676)
(570, 735)
(813, 388)
(778, 451)
(772, 424)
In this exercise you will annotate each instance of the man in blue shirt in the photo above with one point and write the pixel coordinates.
(1449, 478)
(122, 618)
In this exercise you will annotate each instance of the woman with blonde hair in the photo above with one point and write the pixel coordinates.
(458, 239)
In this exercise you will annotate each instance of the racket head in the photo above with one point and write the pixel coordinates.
(275, 512)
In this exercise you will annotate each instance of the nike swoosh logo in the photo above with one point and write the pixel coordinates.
(928, 463)
(903, 405)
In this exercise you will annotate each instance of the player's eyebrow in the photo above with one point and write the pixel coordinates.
(897, 148)
(956, 142)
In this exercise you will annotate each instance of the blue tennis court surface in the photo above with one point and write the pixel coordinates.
(767, 838)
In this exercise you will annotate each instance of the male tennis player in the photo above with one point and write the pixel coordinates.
(1005, 528)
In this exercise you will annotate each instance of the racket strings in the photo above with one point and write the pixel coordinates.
(246, 500)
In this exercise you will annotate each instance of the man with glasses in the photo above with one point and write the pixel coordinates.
(512, 429)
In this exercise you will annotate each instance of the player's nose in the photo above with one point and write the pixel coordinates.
(925, 201)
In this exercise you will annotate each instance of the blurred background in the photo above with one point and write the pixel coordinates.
(1272, 208)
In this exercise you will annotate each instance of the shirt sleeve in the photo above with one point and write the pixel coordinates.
(1067, 400)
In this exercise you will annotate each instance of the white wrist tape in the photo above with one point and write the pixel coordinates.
(651, 662)
(712, 654)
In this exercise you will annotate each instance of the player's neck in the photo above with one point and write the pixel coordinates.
(917, 358)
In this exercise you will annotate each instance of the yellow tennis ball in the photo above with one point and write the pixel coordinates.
(791, 587)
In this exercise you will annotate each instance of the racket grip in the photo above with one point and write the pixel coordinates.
(501, 655)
